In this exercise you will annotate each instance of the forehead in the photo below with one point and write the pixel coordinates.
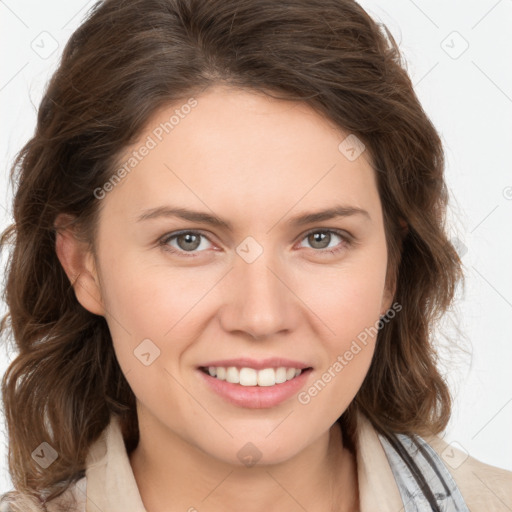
(243, 154)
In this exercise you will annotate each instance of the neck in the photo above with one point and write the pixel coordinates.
(172, 474)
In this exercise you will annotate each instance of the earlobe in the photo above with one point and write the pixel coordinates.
(387, 300)
(390, 288)
(78, 264)
(388, 296)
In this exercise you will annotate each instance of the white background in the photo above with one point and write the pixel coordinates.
(468, 96)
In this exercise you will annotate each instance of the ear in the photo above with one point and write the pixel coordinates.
(387, 300)
(78, 263)
(390, 290)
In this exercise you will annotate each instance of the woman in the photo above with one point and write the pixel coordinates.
(284, 359)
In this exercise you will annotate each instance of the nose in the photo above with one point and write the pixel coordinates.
(259, 299)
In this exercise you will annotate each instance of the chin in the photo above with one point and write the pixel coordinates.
(254, 450)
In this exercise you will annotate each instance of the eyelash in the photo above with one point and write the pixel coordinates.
(163, 242)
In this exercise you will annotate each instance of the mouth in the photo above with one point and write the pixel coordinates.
(252, 377)
(252, 384)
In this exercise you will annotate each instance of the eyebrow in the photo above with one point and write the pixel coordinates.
(206, 218)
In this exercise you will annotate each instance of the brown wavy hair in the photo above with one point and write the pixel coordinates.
(127, 60)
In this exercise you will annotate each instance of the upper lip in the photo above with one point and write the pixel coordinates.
(257, 364)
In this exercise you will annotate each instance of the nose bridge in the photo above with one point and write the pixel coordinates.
(260, 301)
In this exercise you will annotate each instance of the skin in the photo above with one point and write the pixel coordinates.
(256, 162)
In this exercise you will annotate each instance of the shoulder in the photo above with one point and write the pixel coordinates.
(73, 499)
(483, 487)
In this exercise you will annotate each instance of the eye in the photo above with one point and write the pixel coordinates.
(321, 239)
(186, 241)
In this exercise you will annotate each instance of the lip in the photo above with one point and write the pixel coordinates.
(255, 397)
(246, 362)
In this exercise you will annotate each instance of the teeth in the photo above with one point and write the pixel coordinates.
(280, 375)
(252, 377)
(246, 376)
(267, 377)
(232, 375)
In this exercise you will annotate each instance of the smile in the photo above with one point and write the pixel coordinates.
(252, 388)
(251, 377)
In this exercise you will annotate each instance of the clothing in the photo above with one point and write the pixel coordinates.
(386, 478)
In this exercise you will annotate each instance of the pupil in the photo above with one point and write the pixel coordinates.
(189, 239)
(320, 238)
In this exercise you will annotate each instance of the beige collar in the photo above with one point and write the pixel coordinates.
(377, 485)
(111, 484)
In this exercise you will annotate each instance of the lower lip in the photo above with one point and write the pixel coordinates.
(256, 397)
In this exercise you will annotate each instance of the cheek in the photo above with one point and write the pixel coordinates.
(149, 316)
(149, 299)
(349, 305)
(335, 386)
(347, 298)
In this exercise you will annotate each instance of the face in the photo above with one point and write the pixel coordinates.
(248, 286)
